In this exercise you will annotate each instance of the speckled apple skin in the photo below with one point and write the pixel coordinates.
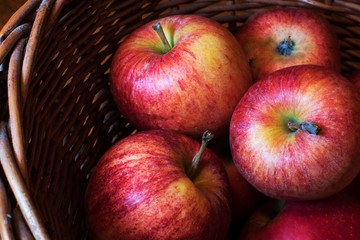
(190, 89)
(139, 190)
(298, 165)
(315, 40)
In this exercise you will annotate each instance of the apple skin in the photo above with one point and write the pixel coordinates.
(298, 165)
(336, 217)
(192, 88)
(140, 190)
(315, 40)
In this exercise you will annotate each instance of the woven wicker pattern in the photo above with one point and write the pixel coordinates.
(61, 117)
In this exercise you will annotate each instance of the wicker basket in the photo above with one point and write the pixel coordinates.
(60, 118)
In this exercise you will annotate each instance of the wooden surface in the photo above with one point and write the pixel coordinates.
(7, 8)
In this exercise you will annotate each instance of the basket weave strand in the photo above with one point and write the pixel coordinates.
(18, 17)
(61, 117)
(19, 187)
(5, 212)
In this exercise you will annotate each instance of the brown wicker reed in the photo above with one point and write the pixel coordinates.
(57, 114)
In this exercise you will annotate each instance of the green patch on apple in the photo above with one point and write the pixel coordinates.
(287, 118)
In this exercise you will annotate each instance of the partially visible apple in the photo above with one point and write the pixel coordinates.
(276, 38)
(336, 217)
(245, 198)
(158, 184)
(354, 77)
(295, 134)
(189, 87)
(353, 188)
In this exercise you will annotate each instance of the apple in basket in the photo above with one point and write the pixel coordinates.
(336, 217)
(184, 73)
(353, 188)
(245, 198)
(295, 133)
(158, 184)
(282, 37)
(354, 77)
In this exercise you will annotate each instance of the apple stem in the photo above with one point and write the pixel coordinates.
(206, 137)
(310, 127)
(286, 47)
(160, 31)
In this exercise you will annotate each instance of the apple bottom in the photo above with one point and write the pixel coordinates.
(296, 36)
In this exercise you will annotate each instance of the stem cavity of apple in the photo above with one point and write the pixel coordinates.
(286, 47)
(206, 137)
(310, 127)
(160, 31)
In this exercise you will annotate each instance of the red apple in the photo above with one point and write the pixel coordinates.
(151, 185)
(354, 77)
(245, 198)
(192, 87)
(295, 134)
(337, 217)
(353, 188)
(283, 37)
